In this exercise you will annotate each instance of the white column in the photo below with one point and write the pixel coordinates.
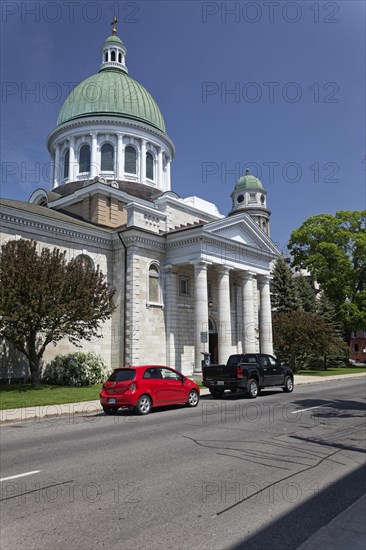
(248, 314)
(167, 188)
(52, 178)
(171, 317)
(93, 160)
(200, 313)
(143, 161)
(265, 316)
(120, 167)
(224, 314)
(239, 318)
(72, 159)
(58, 166)
(160, 169)
(115, 163)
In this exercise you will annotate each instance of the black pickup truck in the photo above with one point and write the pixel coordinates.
(250, 372)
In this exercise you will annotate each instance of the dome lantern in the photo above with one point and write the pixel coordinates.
(249, 196)
(114, 51)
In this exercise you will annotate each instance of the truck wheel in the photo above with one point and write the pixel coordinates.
(289, 385)
(216, 393)
(253, 388)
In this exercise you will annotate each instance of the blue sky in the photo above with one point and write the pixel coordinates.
(278, 87)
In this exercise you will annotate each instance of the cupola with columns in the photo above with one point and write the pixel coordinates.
(249, 196)
(110, 127)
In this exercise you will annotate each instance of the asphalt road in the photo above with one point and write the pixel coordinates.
(232, 473)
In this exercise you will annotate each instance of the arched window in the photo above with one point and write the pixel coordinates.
(86, 262)
(113, 56)
(130, 160)
(106, 57)
(66, 163)
(154, 284)
(107, 160)
(149, 166)
(84, 159)
(120, 58)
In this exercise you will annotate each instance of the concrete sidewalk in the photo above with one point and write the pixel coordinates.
(347, 531)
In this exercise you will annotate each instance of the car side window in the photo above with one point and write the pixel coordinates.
(265, 361)
(272, 361)
(168, 374)
(152, 373)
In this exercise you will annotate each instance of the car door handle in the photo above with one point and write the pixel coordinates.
(265, 369)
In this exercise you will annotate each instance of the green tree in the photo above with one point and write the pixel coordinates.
(283, 288)
(333, 250)
(44, 298)
(327, 310)
(305, 293)
(300, 335)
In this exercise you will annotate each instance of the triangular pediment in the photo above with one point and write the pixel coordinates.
(242, 229)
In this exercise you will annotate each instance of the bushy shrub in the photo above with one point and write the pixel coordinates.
(76, 369)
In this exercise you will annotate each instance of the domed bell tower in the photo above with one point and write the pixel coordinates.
(249, 196)
(114, 52)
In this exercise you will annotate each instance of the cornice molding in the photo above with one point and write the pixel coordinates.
(44, 227)
(113, 121)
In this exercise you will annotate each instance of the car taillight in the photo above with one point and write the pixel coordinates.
(132, 387)
(239, 372)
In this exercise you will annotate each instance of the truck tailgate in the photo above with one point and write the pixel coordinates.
(219, 372)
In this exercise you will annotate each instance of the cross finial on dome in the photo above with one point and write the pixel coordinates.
(114, 22)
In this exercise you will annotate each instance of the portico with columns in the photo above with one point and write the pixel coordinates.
(230, 281)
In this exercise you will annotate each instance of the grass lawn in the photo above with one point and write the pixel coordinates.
(13, 396)
(332, 372)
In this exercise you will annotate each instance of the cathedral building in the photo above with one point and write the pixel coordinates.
(188, 279)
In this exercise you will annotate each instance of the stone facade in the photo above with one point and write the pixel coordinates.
(188, 280)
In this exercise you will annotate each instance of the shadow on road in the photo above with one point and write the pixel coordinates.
(291, 530)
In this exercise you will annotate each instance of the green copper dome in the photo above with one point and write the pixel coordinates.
(248, 182)
(111, 92)
(115, 39)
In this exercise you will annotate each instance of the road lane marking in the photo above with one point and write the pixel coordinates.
(20, 475)
(310, 408)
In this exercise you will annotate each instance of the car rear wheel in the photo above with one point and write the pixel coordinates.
(110, 410)
(193, 399)
(143, 405)
(289, 385)
(216, 393)
(253, 388)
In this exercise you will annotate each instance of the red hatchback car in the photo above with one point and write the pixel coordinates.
(144, 387)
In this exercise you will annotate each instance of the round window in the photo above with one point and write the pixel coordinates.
(240, 198)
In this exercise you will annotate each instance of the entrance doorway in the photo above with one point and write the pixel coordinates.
(213, 342)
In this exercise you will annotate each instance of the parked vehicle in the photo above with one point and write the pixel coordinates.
(144, 387)
(250, 372)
